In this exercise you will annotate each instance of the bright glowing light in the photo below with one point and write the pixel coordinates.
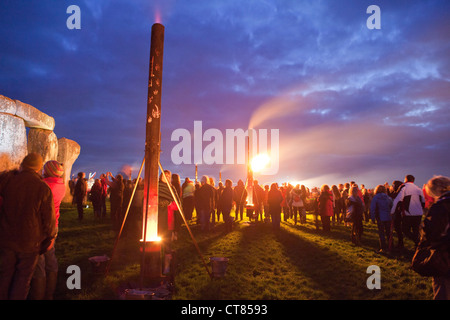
(151, 234)
(259, 162)
(153, 239)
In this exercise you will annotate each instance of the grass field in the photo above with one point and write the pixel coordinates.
(298, 263)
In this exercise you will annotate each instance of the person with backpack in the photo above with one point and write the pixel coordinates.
(413, 202)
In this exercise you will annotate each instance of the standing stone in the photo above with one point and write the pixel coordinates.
(33, 117)
(43, 142)
(7, 105)
(13, 141)
(68, 152)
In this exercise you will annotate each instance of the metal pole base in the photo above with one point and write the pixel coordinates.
(152, 266)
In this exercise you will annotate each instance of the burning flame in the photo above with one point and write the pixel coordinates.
(151, 233)
(259, 162)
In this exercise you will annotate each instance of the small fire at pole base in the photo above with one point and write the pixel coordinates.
(250, 208)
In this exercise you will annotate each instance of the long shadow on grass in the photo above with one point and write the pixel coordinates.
(324, 273)
(216, 242)
(261, 267)
(324, 269)
(339, 233)
(185, 247)
(289, 265)
(370, 238)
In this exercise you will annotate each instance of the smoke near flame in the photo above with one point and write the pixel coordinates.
(324, 147)
(162, 9)
(158, 16)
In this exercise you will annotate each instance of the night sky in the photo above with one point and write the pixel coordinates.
(350, 103)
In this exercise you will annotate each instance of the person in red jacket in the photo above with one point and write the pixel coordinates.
(44, 279)
(27, 226)
(326, 209)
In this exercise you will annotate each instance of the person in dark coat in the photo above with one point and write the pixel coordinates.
(435, 229)
(275, 198)
(204, 200)
(215, 191)
(178, 220)
(187, 192)
(80, 193)
(226, 203)
(104, 193)
(27, 226)
(198, 219)
(337, 204)
(135, 216)
(116, 198)
(240, 198)
(96, 198)
(397, 216)
(220, 189)
(258, 200)
(127, 191)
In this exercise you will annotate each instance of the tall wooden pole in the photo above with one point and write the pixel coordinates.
(196, 174)
(152, 140)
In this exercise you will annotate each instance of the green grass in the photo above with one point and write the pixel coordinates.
(298, 263)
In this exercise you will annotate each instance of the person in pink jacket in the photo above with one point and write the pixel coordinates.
(44, 279)
(326, 209)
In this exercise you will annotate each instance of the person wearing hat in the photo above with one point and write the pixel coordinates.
(43, 283)
(27, 227)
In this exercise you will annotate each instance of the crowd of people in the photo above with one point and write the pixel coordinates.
(30, 203)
